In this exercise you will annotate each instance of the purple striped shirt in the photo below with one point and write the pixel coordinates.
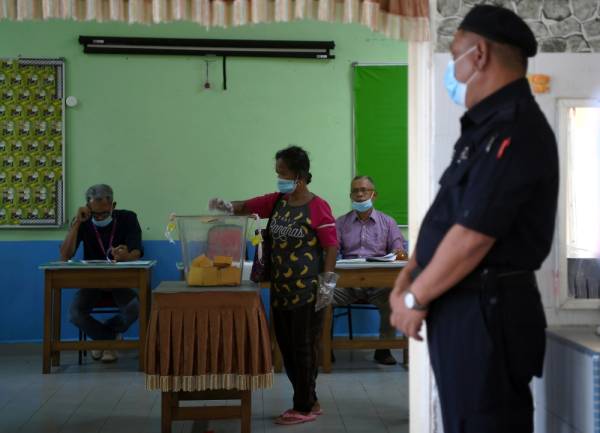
(376, 236)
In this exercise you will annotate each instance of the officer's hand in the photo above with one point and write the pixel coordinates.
(407, 321)
(120, 253)
(83, 214)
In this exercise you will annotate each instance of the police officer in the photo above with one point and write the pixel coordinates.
(490, 227)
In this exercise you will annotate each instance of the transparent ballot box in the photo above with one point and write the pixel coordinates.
(213, 248)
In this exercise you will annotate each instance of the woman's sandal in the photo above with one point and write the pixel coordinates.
(290, 417)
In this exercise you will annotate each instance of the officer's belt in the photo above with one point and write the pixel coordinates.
(480, 276)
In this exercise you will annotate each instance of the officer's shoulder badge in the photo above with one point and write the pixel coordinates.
(505, 143)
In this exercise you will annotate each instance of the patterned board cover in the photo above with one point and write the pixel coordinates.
(32, 142)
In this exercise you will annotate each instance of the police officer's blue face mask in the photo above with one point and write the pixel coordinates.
(286, 186)
(362, 206)
(102, 223)
(457, 90)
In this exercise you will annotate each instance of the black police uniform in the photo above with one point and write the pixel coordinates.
(487, 335)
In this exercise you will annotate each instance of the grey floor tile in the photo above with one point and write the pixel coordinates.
(360, 423)
(359, 396)
(89, 421)
(13, 416)
(310, 427)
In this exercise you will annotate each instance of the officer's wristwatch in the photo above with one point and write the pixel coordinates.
(410, 300)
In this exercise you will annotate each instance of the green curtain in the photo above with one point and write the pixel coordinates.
(381, 134)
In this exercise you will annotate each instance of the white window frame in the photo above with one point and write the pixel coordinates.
(564, 301)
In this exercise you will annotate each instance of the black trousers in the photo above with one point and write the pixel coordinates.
(298, 332)
(486, 342)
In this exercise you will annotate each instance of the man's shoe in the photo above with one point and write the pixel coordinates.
(384, 356)
(96, 354)
(109, 356)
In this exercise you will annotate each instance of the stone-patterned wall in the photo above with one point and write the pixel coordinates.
(559, 25)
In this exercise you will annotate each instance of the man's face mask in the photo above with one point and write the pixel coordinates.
(286, 186)
(457, 90)
(103, 218)
(362, 206)
(102, 223)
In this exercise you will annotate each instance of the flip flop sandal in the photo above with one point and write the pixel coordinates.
(293, 417)
(284, 414)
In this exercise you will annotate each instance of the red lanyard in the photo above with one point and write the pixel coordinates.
(110, 240)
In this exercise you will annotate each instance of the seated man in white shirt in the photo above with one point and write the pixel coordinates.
(366, 232)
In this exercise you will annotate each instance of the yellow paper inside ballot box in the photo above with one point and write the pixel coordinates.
(217, 272)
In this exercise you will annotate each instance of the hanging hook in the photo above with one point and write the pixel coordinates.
(224, 73)
(207, 82)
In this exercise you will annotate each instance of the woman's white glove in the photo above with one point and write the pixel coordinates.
(220, 204)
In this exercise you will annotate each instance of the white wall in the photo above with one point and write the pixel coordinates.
(573, 76)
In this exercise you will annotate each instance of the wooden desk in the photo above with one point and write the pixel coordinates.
(63, 275)
(353, 275)
(207, 343)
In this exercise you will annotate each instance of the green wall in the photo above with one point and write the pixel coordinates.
(145, 125)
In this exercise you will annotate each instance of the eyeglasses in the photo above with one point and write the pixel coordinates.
(356, 191)
(101, 215)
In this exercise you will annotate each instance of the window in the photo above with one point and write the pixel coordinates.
(579, 203)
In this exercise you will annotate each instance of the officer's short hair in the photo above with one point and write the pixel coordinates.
(362, 176)
(509, 55)
(99, 192)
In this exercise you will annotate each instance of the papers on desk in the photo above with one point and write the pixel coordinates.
(68, 263)
(391, 257)
(106, 262)
(364, 264)
(134, 263)
(349, 261)
(56, 263)
(97, 264)
(78, 263)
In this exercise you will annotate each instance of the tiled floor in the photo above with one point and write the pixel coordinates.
(359, 396)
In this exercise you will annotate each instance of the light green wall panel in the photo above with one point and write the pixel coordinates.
(146, 126)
